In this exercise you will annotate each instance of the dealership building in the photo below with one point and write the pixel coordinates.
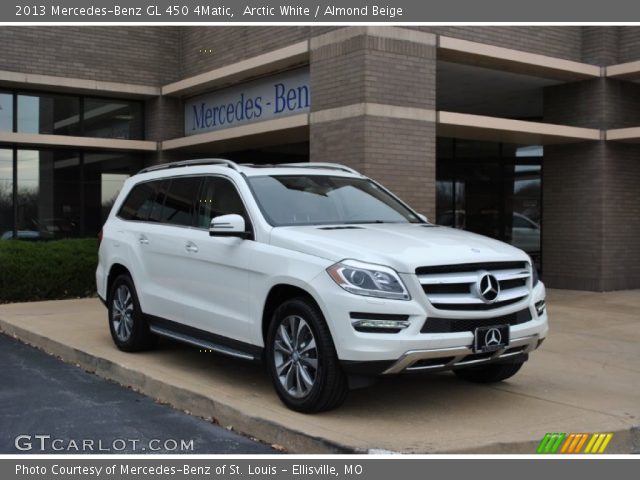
(528, 134)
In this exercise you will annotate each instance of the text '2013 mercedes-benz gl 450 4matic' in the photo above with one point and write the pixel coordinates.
(318, 271)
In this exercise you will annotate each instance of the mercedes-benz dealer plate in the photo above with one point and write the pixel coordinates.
(490, 339)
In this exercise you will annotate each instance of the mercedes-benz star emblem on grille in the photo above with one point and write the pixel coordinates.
(488, 287)
(493, 337)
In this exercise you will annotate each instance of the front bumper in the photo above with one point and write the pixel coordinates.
(412, 350)
(450, 358)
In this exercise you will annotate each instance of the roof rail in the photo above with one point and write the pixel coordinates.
(330, 166)
(191, 163)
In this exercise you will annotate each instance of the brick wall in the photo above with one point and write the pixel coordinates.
(629, 44)
(138, 54)
(373, 69)
(232, 44)
(590, 190)
(572, 206)
(600, 45)
(400, 153)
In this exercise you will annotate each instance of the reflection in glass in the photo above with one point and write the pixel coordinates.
(6, 193)
(49, 184)
(49, 114)
(492, 189)
(112, 119)
(6, 112)
(104, 175)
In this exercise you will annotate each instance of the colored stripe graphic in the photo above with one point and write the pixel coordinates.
(598, 443)
(573, 443)
(551, 442)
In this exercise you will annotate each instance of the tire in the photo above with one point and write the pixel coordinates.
(127, 324)
(307, 378)
(489, 373)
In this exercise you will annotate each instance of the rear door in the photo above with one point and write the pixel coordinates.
(167, 233)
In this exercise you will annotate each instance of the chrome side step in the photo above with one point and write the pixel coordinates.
(196, 342)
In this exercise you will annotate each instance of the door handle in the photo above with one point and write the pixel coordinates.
(191, 247)
(143, 240)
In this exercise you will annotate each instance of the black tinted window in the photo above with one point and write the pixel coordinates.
(157, 212)
(219, 197)
(179, 205)
(139, 202)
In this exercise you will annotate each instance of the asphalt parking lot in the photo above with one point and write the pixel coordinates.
(585, 378)
(52, 407)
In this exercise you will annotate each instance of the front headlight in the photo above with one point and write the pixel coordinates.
(535, 278)
(369, 280)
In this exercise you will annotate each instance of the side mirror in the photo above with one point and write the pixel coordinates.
(228, 226)
(423, 218)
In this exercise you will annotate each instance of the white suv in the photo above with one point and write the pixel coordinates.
(318, 270)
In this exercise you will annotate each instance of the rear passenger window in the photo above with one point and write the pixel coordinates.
(157, 212)
(139, 202)
(180, 202)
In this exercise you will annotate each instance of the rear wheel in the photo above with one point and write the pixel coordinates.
(302, 360)
(129, 328)
(492, 373)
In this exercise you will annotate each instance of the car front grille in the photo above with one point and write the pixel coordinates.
(454, 287)
(450, 325)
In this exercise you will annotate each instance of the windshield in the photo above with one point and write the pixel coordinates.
(322, 199)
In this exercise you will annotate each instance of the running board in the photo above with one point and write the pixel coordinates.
(196, 342)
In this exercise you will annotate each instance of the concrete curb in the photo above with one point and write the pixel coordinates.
(624, 441)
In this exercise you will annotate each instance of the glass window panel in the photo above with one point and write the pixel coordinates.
(219, 197)
(6, 112)
(139, 202)
(6, 194)
(49, 187)
(104, 174)
(493, 189)
(49, 114)
(179, 205)
(112, 119)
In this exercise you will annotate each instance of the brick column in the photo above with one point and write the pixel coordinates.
(164, 119)
(373, 107)
(590, 190)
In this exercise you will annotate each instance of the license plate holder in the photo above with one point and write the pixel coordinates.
(490, 339)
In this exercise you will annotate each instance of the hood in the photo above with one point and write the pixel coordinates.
(404, 247)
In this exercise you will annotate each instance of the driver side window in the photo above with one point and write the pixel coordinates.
(218, 196)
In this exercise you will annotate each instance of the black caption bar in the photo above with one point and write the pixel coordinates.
(396, 11)
(349, 468)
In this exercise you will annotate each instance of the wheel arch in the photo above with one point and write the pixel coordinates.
(115, 271)
(277, 295)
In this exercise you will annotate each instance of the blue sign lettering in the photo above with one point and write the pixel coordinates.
(264, 99)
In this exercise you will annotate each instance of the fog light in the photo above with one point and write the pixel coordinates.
(380, 326)
(540, 307)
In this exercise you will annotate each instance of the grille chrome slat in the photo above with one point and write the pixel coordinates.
(453, 287)
(458, 298)
(471, 277)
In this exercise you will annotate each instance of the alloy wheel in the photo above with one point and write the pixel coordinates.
(122, 313)
(296, 356)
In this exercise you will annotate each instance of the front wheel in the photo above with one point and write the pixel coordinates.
(302, 360)
(489, 373)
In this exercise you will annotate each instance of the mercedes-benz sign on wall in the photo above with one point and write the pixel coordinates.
(263, 99)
